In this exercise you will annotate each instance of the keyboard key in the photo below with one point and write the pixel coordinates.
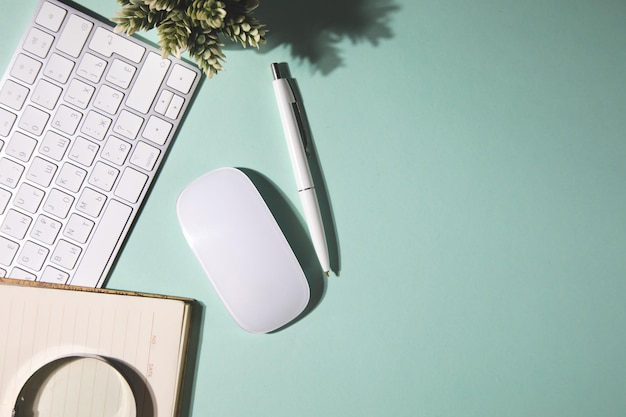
(83, 151)
(78, 228)
(25, 68)
(108, 99)
(120, 73)
(65, 254)
(53, 275)
(58, 68)
(91, 68)
(41, 172)
(33, 256)
(67, 119)
(79, 93)
(45, 229)
(8, 250)
(50, 16)
(10, 172)
(176, 105)
(15, 224)
(144, 156)
(71, 177)
(19, 273)
(181, 79)
(7, 119)
(13, 94)
(115, 150)
(21, 146)
(58, 203)
(33, 120)
(103, 176)
(38, 42)
(128, 124)
(96, 125)
(132, 183)
(28, 198)
(5, 196)
(163, 102)
(74, 35)
(46, 94)
(103, 243)
(157, 130)
(90, 202)
(54, 145)
(106, 43)
(147, 84)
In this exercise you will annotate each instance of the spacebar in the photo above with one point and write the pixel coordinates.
(91, 268)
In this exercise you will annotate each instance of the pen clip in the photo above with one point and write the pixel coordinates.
(298, 114)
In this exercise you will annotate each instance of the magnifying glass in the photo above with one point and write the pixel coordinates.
(77, 387)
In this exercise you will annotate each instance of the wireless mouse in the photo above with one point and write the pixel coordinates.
(242, 250)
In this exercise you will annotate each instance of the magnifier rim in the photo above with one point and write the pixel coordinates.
(120, 368)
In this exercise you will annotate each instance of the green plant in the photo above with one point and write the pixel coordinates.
(195, 26)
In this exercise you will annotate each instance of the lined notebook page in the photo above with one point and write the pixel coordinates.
(39, 325)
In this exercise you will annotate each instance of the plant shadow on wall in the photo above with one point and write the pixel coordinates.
(314, 30)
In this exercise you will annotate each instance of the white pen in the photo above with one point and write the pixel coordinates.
(292, 116)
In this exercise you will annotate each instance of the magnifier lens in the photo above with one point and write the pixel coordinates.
(76, 387)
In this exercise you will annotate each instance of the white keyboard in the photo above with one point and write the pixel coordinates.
(86, 118)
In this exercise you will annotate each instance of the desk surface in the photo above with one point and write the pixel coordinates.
(474, 158)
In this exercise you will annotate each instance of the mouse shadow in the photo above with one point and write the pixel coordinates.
(298, 239)
(315, 31)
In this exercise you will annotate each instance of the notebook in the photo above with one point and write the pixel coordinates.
(146, 335)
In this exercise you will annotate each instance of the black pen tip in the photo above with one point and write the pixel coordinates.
(276, 71)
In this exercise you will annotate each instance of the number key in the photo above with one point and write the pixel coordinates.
(38, 42)
(33, 120)
(21, 146)
(10, 172)
(25, 68)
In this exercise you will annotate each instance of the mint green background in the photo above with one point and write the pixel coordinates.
(475, 158)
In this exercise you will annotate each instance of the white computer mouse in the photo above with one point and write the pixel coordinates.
(242, 250)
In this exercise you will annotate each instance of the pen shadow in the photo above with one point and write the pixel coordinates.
(314, 31)
(297, 237)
